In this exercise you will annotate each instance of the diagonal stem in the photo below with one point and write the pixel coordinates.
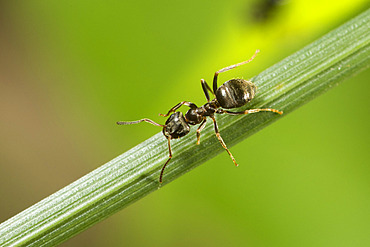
(285, 86)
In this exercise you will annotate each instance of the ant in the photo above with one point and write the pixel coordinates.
(233, 93)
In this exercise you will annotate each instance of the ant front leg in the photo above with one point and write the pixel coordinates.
(229, 68)
(221, 140)
(173, 109)
(169, 158)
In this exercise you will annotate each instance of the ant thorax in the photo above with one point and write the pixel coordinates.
(194, 116)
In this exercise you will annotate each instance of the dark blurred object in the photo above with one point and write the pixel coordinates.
(265, 10)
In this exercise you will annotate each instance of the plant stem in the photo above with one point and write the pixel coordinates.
(134, 174)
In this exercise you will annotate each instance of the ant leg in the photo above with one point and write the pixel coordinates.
(229, 68)
(141, 120)
(200, 128)
(252, 111)
(173, 109)
(169, 158)
(206, 88)
(222, 141)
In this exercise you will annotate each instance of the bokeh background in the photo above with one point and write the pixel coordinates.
(70, 69)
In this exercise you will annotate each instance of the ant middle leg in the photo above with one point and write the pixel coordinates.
(222, 141)
(169, 158)
(229, 68)
(200, 128)
(173, 109)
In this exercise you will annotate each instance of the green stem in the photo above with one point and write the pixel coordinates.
(134, 174)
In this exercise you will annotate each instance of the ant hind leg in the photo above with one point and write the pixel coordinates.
(252, 111)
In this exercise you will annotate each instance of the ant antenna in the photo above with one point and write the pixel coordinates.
(141, 120)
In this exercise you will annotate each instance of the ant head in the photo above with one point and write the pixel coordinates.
(176, 126)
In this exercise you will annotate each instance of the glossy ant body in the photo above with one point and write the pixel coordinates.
(233, 93)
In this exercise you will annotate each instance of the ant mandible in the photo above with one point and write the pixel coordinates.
(233, 93)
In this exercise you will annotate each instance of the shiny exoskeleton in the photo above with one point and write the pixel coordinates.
(232, 94)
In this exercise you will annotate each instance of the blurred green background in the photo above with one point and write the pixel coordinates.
(70, 69)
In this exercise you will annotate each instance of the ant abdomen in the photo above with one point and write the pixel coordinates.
(235, 93)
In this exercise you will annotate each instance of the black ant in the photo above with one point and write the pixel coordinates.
(232, 94)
